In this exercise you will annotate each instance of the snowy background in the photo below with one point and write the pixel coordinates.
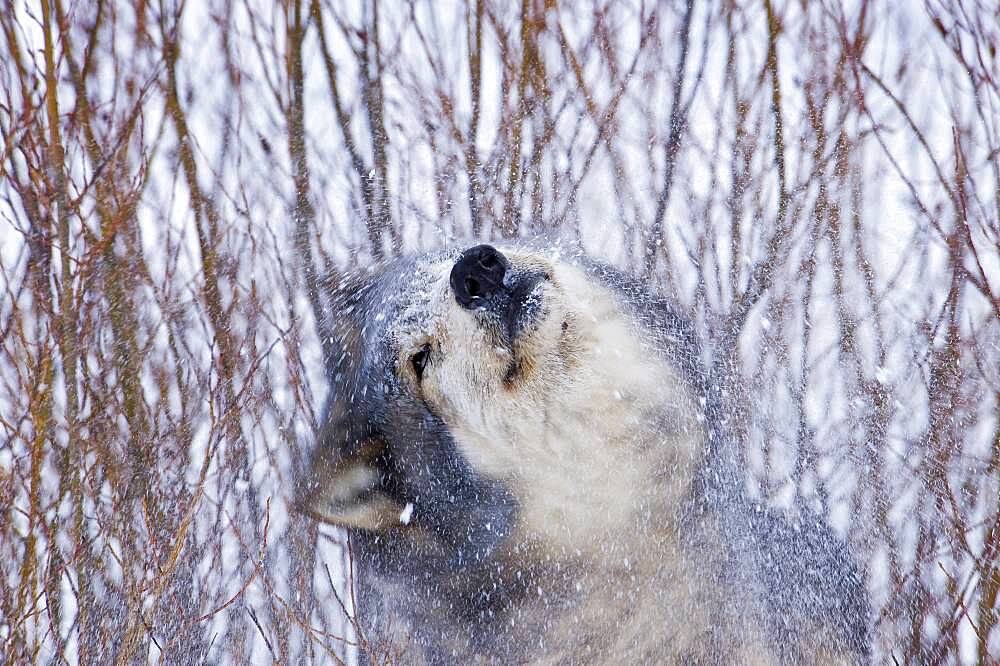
(818, 183)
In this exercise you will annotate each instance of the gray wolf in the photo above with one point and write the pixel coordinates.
(517, 440)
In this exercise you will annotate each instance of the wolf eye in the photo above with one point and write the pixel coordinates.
(419, 361)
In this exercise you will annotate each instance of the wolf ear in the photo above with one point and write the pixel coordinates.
(339, 301)
(342, 482)
(347, 488)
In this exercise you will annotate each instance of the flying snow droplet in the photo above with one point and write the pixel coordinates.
(406, 513)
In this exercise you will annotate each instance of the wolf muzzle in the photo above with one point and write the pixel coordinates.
(484, 280)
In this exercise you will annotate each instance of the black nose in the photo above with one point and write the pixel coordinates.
(477, 275)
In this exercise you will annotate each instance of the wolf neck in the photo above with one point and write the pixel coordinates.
(641, 608)
(612, 451)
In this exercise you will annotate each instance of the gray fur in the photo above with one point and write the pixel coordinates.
(582, 506)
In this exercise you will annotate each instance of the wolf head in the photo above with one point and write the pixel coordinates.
(497, 401)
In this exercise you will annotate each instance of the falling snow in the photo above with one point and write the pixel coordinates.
(193, 197)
